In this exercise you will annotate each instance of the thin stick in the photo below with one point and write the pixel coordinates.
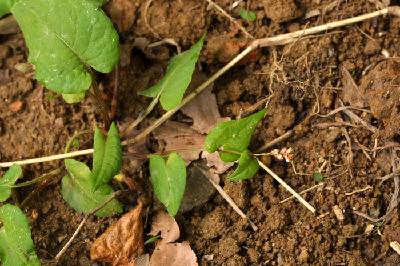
(272, 143)
(80, 226)
(224, 13)
(395, 246)
(265, 42)
(287, 187)
(142, 115)
(303, 192)
(228, 199)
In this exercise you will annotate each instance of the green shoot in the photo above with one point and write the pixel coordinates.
(65, 39)
(168, 178)
(173, 85)
(152, 239)
(231, 139)
(16, 245)
(247, 167)
(248, 15)
(8, 180)
(318, 177)
(232, 136)
(85, 190)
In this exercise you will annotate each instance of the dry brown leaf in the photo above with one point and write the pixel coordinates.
(122, 13)
(179, 137)
(351, 92)
(123, 241)
(173, 254)
(15, 106)
(166, 224)
(217, 166)
(203, 110)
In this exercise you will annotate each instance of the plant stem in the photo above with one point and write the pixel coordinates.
(38, 179)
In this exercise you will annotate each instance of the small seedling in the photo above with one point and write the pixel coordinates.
(173, 85)
(248, 15)
(152, 239)
(318, 177)
(86, 190)
(168, 178)
(65, 40)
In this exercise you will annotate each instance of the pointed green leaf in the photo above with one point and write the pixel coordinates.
(77, 190)
(169, 180)
(16, 245)
(66, 38)
(74, 98)
(233, 136)
(177, 78)
(247, 168)
(111, 160)
(248, 15)
(98, 154)
(9, 180)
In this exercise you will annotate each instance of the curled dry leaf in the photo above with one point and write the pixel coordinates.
(167, 253)
(173, 254)
(166, 224)
(217, 166)
(122, 13)
(351, 92)
(122, 242)
(179, 137)
(204, 110)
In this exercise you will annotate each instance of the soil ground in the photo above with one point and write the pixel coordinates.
(305, 81)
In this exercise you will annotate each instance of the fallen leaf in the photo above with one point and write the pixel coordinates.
(179, 137)
(173, 254)
(122, 13)
(125, 54)
(8, 25)
(215, 163)
(351, 92)
(203, 109)
(15, 106)
(123, 241)
(166, 224)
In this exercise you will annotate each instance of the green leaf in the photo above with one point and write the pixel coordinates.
(169, 180)
(248, 15)
(74, 98)
(318, 177)
(108, 157)
(177, 77)
(16, 245)
(5, 7)
(66, 38)
(9, 180)
(77, 189)
(233, 136)
(247, 168)
(152, 239)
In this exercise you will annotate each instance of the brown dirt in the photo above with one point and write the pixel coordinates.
(305, 77)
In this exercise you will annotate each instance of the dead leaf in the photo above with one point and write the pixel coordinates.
(173, 254)
(125, 54)
(166, 224)
(15, 106)
(122, 13)
(203, 109)
(123, 241)
(351, 92)
(215, 163)
(176, 136)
